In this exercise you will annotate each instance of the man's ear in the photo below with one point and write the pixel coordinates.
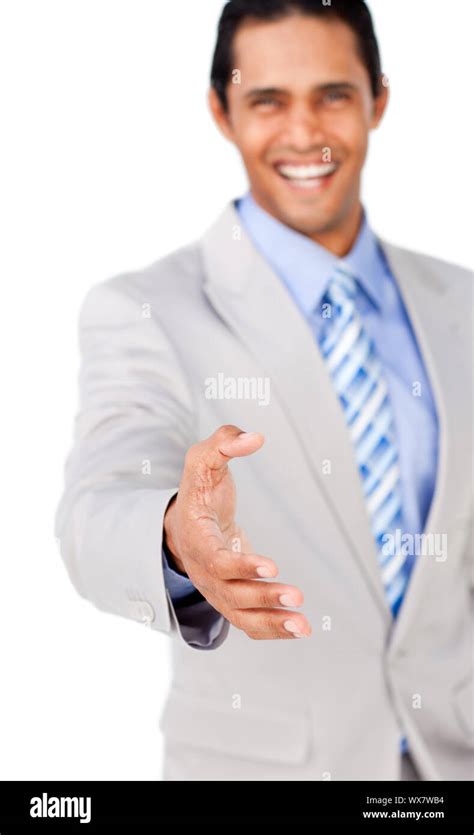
(220, 116)
(380, 103)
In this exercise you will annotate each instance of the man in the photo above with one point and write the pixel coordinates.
(331, 368)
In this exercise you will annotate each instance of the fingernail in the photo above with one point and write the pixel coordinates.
(291, 626)
(263, 571)
(288, 600)
(244, 436)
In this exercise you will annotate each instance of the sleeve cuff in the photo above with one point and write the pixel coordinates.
(177, 584)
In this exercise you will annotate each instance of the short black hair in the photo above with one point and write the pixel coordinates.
(354, 13)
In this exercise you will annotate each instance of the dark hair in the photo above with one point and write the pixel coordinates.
(352, 12)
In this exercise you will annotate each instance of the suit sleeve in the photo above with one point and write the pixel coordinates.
(134, 424)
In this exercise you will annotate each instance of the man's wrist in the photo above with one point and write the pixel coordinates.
(168, 541)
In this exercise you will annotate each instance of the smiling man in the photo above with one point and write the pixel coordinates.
(308, 642)
(309, 91)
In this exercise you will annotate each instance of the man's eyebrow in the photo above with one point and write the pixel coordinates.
(318, 88)
(265, 91)
(336, 85)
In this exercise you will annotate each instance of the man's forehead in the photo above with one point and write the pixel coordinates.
(295, 31)
(270, 57)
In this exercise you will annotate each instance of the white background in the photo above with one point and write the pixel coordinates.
(109, 160)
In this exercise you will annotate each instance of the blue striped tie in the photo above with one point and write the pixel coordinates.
(357, 374)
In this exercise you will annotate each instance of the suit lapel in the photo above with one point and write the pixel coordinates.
(257, 307)
(437, 318)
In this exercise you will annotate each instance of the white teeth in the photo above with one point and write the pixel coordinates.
(307, 183)
(307, 172)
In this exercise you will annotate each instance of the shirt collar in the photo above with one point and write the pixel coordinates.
(305, 266)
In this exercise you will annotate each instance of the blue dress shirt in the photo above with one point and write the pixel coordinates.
(306, 268)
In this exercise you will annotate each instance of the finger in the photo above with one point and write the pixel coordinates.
(254, 594)
(271, 624)
(245, 443)
(223, 564)
(226, 443)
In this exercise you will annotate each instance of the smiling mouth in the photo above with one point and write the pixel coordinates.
(306, 176)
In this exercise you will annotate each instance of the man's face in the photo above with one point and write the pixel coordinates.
(300, 117)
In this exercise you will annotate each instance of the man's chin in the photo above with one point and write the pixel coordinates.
(308, 220)
(311, 215)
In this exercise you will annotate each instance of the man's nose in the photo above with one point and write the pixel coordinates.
(303, 129)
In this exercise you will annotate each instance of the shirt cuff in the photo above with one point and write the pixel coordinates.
(177, 584)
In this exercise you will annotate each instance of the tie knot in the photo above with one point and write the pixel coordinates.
(342, 284)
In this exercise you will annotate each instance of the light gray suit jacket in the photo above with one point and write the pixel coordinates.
(333, 706)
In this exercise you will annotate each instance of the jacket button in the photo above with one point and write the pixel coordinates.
(142, 611)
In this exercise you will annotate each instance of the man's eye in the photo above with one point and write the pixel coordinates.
(336, 96)
(266, 102)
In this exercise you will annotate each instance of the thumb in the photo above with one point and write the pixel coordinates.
(244, 443)
(230, 442)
